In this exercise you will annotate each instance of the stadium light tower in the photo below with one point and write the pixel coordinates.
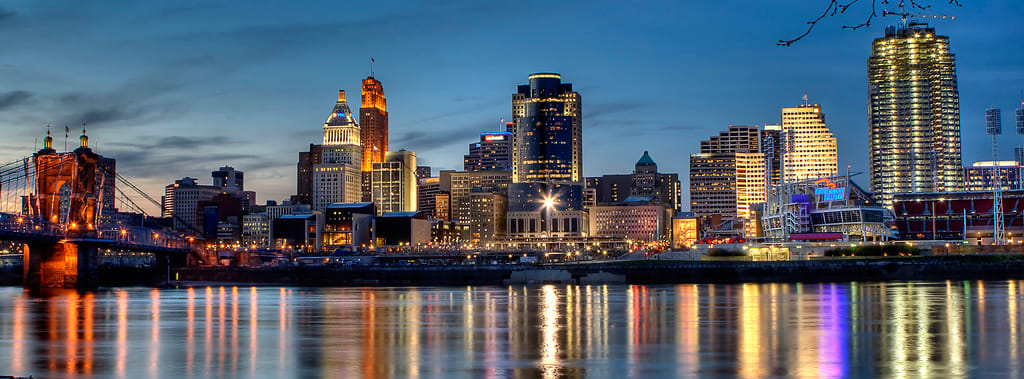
(994, 127)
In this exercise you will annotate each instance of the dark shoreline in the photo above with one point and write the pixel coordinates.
(967, 267)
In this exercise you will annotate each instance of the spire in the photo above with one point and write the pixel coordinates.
(83, 139)
(48, 141)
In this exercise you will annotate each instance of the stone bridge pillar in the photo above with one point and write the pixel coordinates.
(66, 264)
(71, 262)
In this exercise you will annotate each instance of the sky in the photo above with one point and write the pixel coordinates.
(174, 89)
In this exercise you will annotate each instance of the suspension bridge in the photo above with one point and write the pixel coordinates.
(62, 207)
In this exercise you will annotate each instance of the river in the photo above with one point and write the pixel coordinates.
(900, 329)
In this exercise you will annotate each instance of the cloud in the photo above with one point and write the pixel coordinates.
(13, 98)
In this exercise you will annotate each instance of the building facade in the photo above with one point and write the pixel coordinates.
(338, 178)
(979, 176)
(487, 214)
(304, 174)
(913, 113)
(426, 195)
(185, 196)
(394, 182)
(459, 186)
(809, 148)
(630, 220)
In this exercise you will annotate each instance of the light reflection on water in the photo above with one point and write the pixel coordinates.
(910, 330)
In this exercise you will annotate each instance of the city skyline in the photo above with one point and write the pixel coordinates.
(132, 116)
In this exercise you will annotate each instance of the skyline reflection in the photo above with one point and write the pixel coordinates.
(915, 329)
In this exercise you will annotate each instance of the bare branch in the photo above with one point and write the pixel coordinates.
(832, 6)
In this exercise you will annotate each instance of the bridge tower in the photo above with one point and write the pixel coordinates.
(65, 194)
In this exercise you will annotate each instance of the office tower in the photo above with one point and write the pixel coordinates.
(393, 183)
(337, 179)
(809, 149)
(459, 185)
(423, 172)
(913, 113)
(182, 202)
(256, 231)
(727, 176)
(487, 215)
(644, 181)
(426, 194)
(771, 146)
(228, 179)
(373, 117)
(304, 174)
(548, 139)
(493, 152)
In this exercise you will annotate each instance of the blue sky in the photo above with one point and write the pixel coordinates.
(175, 89)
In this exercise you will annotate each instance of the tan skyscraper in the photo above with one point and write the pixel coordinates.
(727, 177)
(913, 113)
(373, 118)
(809, 148)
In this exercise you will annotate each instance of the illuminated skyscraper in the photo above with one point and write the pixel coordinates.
(373, 117)
(914, 113)
(727, 177)
(547, 141)
(394, 182)
(337, 178)
(809, 149)
(492, 153)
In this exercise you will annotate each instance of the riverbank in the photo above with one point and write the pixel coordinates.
(967, 267)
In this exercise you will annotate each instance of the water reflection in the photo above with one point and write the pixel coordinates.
(927, 329)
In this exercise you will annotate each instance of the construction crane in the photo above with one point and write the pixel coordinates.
(905, 16)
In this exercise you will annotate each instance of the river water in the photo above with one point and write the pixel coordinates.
(914, 329)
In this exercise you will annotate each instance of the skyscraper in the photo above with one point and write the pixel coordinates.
(914, 113)
(394, 182)
(304, 174)
(492, 152)
(809, 149)
(373, 117)
(545, 197)
(727, 176)
(548, 136)
(644, 181)
(337, 178)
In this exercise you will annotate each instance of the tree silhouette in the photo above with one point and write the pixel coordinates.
(839, 7)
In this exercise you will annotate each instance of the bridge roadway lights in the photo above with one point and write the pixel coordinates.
(64, 264)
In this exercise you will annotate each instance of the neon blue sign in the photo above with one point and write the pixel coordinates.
(830, 194)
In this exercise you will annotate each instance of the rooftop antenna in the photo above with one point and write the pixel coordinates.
(371, 66)
(805, 98)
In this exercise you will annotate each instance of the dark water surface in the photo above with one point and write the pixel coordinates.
(913, 330)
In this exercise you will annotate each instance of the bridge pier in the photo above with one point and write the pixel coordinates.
(67, 264)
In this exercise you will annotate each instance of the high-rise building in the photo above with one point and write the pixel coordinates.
(809, 149)
(394, 182)
(228, 179)
(373, 117)
(493, 152)
(304, 174)
(644, 181)
(182, 199)
(426, 195)
(547, 141)
(727, 176)
(423, 172)
(487, 215)
(337, 179)
(771, 146)
(913, 113)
